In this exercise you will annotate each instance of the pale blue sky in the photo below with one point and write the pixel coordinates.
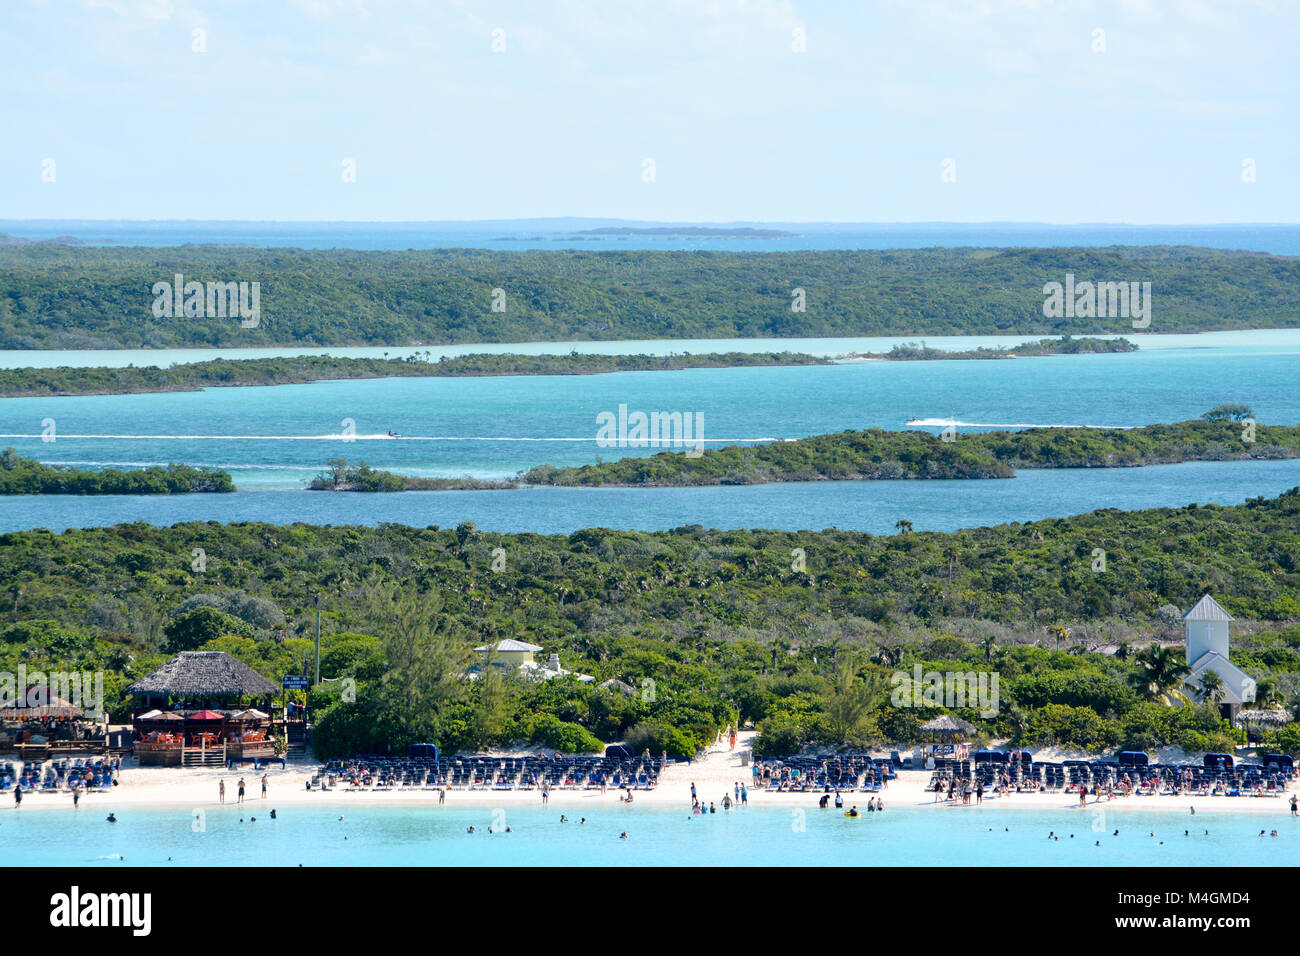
(739, 125)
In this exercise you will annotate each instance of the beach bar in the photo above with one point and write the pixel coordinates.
(190, 715)
(37, 725)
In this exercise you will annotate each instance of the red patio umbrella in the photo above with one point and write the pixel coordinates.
(206, 715)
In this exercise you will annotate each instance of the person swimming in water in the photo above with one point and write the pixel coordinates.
(853, 812)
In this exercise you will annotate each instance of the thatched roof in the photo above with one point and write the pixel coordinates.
(1274, 717)
(203, 674)
(948, 724)
(39, 703)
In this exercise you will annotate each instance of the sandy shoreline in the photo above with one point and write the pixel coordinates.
(714, 776)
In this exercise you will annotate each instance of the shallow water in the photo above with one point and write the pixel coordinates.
(874, 506)
(754, 836)
(274, 439)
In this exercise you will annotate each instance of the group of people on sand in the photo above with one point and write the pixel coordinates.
(739, 797)
(965, 790)
(240, 787)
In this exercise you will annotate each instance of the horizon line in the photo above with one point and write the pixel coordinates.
(669, 222)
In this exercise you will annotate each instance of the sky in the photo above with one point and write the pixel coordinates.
(1134, 111)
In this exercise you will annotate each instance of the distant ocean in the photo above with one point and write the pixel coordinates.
(571, 233)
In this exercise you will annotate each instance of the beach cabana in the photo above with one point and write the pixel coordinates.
(947, 725)
(1134, 758)
(1256, 720)
(210, 732)
(1218, 761)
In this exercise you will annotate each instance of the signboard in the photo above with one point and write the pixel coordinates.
(296, 682)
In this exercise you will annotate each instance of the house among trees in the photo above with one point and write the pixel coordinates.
(1206, 635)
(518, 657)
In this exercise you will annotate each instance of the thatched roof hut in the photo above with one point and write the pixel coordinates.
(203, 675)
(948, 724)
(1267, 718)
(39, 705)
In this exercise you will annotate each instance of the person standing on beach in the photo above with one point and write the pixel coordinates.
(241, 791)
(18, 795)
(76, 797)
(263, 786)
(744, 798)
(546, 797)
(1083, 794)
(731, 735)
(221, 792)
(1293, 805)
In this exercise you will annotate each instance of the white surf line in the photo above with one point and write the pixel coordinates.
(649, 443)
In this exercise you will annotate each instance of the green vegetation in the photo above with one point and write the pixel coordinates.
(21, 476)
(340, 476)
(879, 454)
(724, 623)
(1229, 413)
(1065, 345)
(190, 377)
(54, 296)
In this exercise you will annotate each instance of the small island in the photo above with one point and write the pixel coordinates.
(689, 232)
(22, 476)
(299, 370)
(1065, 345)
(876, 454)
(341, 476)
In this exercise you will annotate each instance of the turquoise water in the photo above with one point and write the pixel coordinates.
(874, 506)
(401, 836)
(274, 439)
(828, 346)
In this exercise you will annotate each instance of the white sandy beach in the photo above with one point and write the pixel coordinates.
(714, 776)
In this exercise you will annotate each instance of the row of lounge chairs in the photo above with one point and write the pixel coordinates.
(87, 774)
(475, 772)
(807, 774)
(1070, 775)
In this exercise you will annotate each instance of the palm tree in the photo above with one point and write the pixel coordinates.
(1212, 686)
(990, 642)
(1267, 693)
(1160, 675)
(1017, 720)
(847, 705)
(903, 526)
